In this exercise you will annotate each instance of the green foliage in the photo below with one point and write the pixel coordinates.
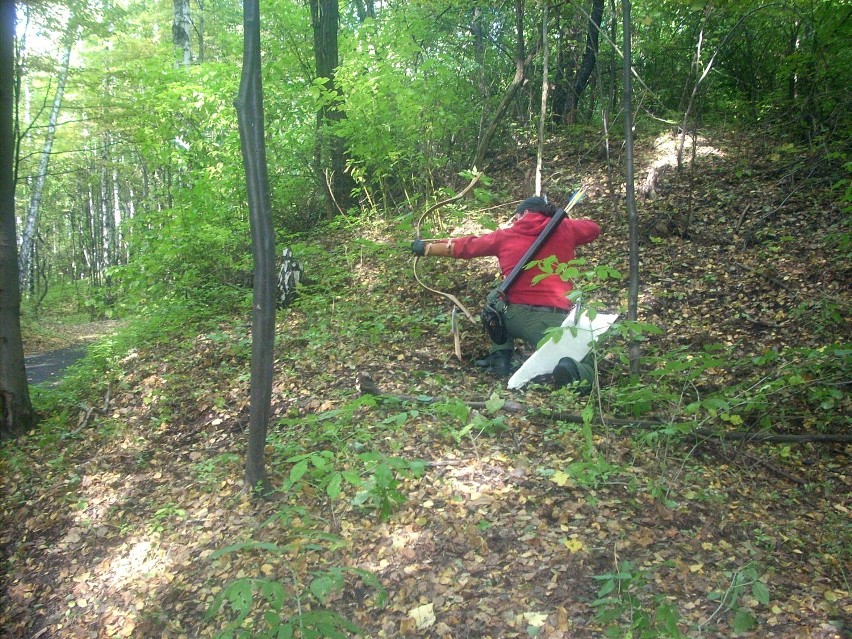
(622, 611)
(400, 69)
(376, 476)
(458, 422)
(744, 581)
(258, 608)
(268, 607)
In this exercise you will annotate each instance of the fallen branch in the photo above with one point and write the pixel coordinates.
(743, 436)
(773, 469)
(366, 386)
(87, 415)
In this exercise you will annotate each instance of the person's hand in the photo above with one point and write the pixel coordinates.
(418, 247)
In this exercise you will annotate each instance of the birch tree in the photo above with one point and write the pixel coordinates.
(31, 222)
(544, 89)
(182, 30)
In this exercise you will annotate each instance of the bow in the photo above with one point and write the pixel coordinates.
(431, 209)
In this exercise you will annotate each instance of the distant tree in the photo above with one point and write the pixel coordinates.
(590, 57)
(249, 105)
(632, 215)
(16, 411)
(182, 30)
(522, 59)
(330, 151)
(31, 223)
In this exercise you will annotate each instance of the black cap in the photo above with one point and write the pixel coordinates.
(534, 203)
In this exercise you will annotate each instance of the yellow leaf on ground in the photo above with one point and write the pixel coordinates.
(559, 478)
(535, 619)
(573, 545)
(423, 616)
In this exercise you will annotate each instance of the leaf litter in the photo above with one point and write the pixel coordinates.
(518, 526)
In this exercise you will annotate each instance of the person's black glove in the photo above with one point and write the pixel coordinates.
(418, 247)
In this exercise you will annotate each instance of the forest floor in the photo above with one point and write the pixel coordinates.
(421, 518)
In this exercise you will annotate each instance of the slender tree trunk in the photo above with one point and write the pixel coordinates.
(16, 411)
(330, 150)
(544, 89)
(632, 215)
(249, 105)
(590, 56)
(182, 30)
(522, 61)
(38, 186)
(200, 31)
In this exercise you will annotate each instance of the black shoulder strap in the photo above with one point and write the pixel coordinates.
(532, 250)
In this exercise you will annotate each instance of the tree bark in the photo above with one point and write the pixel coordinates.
(632, 215)
(329, 151)
(544, 89)
(249, 105)
(16, 411)
(590, 56)
(522, 61)
(182, 30)
(31, 223)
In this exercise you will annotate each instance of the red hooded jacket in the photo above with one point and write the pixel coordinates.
(510, 244)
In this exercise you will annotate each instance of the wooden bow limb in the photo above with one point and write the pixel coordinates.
(457, 196)
(431, 209)
(449, 296)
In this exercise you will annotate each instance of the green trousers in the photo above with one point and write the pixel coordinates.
(529, 323)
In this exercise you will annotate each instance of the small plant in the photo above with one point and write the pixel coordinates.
(381, 490)
(745, 581)
(213, 470)
(377, 480)
(272, 608)
(593, 469)
(168, 513)
(623, 614)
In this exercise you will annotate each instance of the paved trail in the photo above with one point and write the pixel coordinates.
(47, 367)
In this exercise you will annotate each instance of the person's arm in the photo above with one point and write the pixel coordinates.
(585, 231)
(439, 248)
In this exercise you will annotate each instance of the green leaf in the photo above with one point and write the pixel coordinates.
(333, 488)
(298, 471)
(760, 591)
(743, 621)
(322, 586)
(494, 403)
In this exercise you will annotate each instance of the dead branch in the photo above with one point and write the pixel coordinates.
(366, 386)
(707, 433)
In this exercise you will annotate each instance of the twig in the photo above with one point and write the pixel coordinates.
(742, 218)
(774, 469)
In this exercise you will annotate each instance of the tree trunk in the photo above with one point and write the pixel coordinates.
(632, 215)
(31, 223)
(544, 88)
(182, 30)
(590, 56)
(16, 411)
(249, 105)
(522, 61)
(330, 151)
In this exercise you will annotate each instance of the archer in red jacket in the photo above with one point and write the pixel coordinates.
(532, 308)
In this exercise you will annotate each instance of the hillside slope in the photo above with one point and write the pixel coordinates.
(414, 517)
